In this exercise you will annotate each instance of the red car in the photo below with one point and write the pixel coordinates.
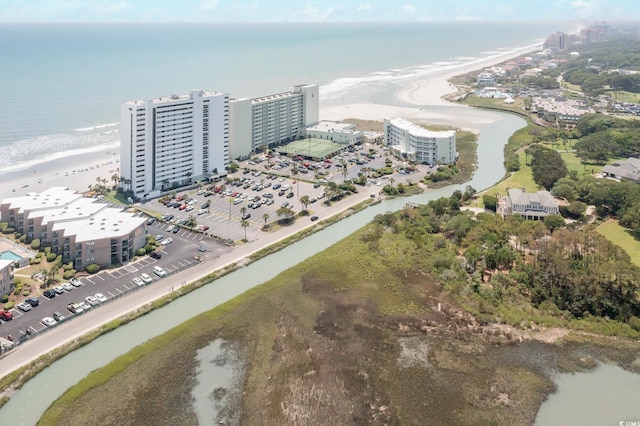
(6, 315)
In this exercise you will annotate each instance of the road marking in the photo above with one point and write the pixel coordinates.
(99, 276)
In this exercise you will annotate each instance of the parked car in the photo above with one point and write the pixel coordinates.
(33, 301)
(24, 307)
(314, 218)
(155, 255)
(167, 241)
(170, 228)
(91, 300)
(59, 289)
(151, 220)
(49, 294)
(75, 282)
(146, 278)
(67, 286)
(246, 216)
(58, 316)
(289, 195)
(101, 297)
(84, 305)
(137, 281)
(6, 315)
(158, 271)
(159, 237)
(49, 322)
(75, 308)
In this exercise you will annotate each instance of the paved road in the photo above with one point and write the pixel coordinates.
(69, 330)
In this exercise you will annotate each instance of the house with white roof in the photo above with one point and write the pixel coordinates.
(82, 230)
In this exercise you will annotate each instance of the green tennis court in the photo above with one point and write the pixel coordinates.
(311, 148)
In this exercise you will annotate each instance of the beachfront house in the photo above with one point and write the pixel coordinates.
(530, 206)
(410, 141)
(82, 230)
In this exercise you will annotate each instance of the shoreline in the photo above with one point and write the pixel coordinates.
(54, 175)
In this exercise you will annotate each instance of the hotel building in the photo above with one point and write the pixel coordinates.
(172, 141)
(414, 142)
(272, 120)
(81, 229)
(6, 276)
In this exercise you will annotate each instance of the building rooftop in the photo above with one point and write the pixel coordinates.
(54, 197)
(270, 98)
(417, 130)
(108, 222)
(327, 126)
(522, 198)
(173, 98)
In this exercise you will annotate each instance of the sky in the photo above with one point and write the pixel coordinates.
(313, 10)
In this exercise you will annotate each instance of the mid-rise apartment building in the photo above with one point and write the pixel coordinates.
(272, 120)
(81, 229)
(172, 141)
(409, 140)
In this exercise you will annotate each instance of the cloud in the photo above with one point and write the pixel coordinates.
(107, 7)
(208, 4)
(313, 13)
(409, 8)
(364, 6)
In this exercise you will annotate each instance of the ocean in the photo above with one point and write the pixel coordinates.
(62, 85)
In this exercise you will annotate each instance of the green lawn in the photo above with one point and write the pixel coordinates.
(622, 96)
(523, 178)
(620, 236)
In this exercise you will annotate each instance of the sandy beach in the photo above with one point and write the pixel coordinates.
(425, 97)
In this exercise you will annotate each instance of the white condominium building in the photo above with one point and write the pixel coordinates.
(416, 143)
(171, 141)
(273, 119)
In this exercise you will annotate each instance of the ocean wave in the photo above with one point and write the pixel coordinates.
(341, 87)
(97, 127)
(28, 153)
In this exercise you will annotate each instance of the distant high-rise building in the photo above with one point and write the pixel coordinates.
(171, 141)
(556, 42)
(273, 119)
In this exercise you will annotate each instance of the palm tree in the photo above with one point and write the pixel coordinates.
(304, 200)
(344, 171)
(265, 217)
(115, 178)
(245, 225)
(243, 210)
(230, 204)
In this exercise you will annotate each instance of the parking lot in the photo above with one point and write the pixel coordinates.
(182, 253)
(264, 184)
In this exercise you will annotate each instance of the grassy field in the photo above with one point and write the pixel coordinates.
(615, 233)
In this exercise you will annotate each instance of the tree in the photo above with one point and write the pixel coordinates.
(554, 221)
(304, 200)
(231, 200)
(115, 178)
(265, 217)
(548, 167)
(287, 212)
(245, 224)
(243, 210)
(344, 170)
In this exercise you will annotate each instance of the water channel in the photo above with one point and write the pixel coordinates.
(27, 405)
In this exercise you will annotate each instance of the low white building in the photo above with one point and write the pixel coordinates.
(81, 229)
(409, 140)
(335, 131)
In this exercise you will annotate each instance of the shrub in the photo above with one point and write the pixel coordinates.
(22, 238)
(634, 322)
(8, 306)
(68, 267)
(149, 248)
(141, 252)
(5, 298)
(8, 231)
(68, 274)
(26, 292)
(51, 257)
(93, 268)
(35, 244)
(34, 261)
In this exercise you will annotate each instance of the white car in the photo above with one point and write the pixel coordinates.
(146, 278)
(91, 300)
(75, 308)
(170, 228)
(101, 297)
(166, 242)
(49, 322)
(75, 282)
(85, 305)
(67, 286)
(59, 289)
(24, 307)
(159, 271)
(137, 281)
